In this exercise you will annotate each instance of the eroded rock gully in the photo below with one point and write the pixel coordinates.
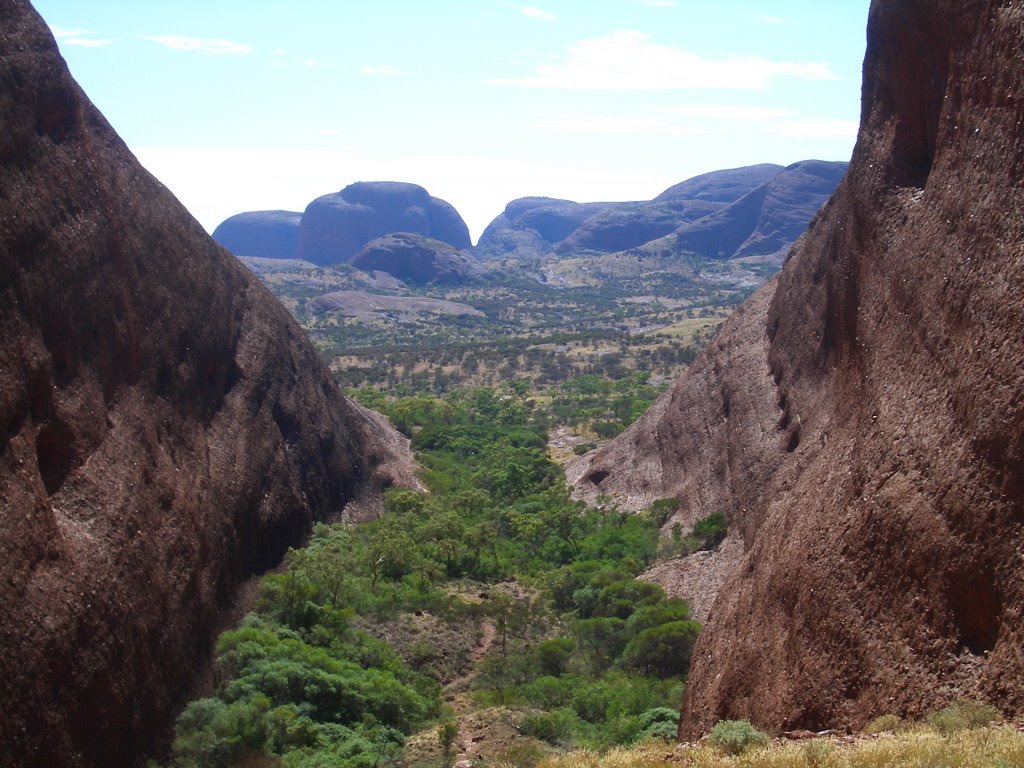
(861, 420)
(165, 429)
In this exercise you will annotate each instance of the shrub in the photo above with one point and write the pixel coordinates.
(659, 715)
(962, 714)
(664, 731)
(553, 727)
(884, 724)
(662, 509)
(711, 530)
(659, 723)
(818, 753)
(549, 692)
(735, 736)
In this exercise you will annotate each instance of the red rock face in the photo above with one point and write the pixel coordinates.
(882, 515)
(165, 429)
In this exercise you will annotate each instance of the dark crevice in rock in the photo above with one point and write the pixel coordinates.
(55, 454)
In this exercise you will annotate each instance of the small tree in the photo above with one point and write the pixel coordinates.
(553, 655)
(665, 650)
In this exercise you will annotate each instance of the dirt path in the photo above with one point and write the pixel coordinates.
(456, 693)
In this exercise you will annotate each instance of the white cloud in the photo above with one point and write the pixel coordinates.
(79, 37)
(384, 70)
(699, 120)
(536, 13)
(198, 45)
(628, 61)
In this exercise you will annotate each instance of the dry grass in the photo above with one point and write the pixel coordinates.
(919, 747)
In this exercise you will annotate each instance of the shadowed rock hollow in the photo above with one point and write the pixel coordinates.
(166, 429)
(861, 421)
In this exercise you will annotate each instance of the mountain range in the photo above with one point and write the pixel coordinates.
(751, 214)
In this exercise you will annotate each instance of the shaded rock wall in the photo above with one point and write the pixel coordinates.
(165, 429)
(875, 466)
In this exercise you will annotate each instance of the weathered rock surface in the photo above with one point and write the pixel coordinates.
(334, 227)
(261, 234)
(165, 429)
(419, 260)
(861, 422)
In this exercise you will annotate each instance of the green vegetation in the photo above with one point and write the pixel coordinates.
(734, 737)
(961, 715)
(540, 592)
(652, 318)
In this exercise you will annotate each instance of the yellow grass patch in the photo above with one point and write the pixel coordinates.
(920, 747)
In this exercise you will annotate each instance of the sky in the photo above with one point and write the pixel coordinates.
(266, 105)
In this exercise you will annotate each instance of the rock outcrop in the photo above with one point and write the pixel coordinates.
(861, 420)
(334, 227)
(166, 429)
(261, 234)
(418, 260)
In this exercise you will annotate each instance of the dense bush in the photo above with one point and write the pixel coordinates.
(598, 654)
(735, 736)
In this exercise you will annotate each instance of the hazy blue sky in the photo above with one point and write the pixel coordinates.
(264, 105)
